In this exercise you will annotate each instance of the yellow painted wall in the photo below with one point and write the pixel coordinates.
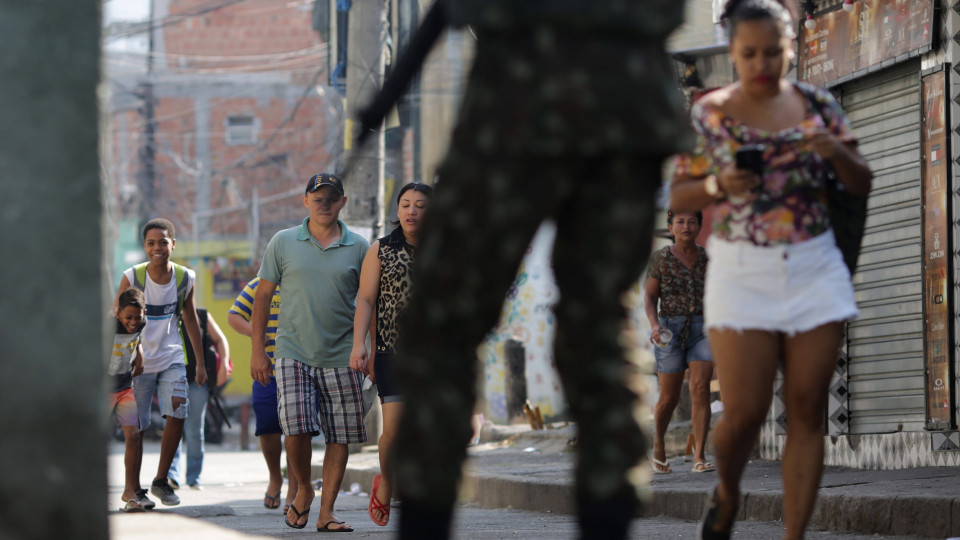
(240, 380)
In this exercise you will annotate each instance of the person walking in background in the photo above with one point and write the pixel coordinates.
(126, 362)
(675, 278)
(318, 266)
(569, 112)
(216, 352)
(265, 396)
(168, 289)
(385, 284)
(777, 288)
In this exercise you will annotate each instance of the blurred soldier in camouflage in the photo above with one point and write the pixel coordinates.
(570, 109)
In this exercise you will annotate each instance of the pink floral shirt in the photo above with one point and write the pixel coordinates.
(790, 206)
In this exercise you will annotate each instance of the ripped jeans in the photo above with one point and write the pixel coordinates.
(167, 384)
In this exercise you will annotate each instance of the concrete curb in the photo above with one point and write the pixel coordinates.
(868, 502)
(865, 513)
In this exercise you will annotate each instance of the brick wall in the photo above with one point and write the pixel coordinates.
(257, 58)
(279, 32)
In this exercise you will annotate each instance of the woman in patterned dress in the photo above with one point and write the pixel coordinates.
(674, 284)
(384, 291)
(777, 289)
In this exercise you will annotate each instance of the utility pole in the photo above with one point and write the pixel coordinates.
(366, 42)
(146, 177)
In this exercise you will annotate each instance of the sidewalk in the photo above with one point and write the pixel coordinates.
(533, 470)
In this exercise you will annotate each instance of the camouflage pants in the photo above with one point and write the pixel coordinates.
(482, 217)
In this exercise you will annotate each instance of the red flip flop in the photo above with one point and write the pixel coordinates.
(377, 506)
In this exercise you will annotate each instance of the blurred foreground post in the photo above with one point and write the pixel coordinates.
(53, 457)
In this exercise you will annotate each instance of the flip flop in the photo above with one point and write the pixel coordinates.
(271, 501)
(299, 515)
(659, 466)
(325, 528)
(703, 466)
(375, 504)
(132, 505)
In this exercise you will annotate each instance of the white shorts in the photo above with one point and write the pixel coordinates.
(791, 289)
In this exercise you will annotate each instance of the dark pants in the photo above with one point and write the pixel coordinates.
(482, 217)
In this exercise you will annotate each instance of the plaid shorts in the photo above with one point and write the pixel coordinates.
(338, 389)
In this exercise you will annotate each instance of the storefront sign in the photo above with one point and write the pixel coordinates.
(875, 31)
(936, 252)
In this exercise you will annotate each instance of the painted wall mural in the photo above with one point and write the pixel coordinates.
(528, 316)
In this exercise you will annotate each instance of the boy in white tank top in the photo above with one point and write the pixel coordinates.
(168, 289)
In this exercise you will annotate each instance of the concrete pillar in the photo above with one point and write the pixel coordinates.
(52, 353)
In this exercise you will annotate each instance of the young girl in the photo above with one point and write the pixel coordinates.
(126, 362)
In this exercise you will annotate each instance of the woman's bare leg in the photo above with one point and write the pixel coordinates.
(809, 363)
(746, 364)
(670, 384)
(700, 374)
(391, 419)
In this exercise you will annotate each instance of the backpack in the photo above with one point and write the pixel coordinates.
(210, 357)
(847, 211)
(179, 275)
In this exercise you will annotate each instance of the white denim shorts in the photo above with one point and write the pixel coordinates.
(791, 289)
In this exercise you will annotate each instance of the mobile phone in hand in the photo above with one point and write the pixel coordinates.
(749, 157)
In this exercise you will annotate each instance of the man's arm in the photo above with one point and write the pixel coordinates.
(220, 342)
(239, 324)
(260, 367)
(192, 325)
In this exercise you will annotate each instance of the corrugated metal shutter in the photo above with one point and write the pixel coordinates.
(886, 342)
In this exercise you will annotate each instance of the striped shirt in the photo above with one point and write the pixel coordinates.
(124, 353)
(243, 306)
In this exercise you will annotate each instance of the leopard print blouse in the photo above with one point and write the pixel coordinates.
(396, 262)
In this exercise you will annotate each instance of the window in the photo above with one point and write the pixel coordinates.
(241, 129)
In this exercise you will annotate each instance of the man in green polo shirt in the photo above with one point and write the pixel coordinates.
(318, 264)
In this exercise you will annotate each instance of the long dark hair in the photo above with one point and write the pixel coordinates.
(426, 189)
(737, 11)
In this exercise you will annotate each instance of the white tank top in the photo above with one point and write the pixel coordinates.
(162, 345)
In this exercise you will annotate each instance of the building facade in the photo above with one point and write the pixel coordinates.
(891, 64)
(225, 104)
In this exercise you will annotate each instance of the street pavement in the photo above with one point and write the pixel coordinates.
(521, 488)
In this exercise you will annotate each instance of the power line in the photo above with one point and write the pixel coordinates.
(263, 146)
(153, 24)
(244, 91)
(266, 57)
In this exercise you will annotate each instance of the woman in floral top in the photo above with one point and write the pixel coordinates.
(777, 289)
(675, 278)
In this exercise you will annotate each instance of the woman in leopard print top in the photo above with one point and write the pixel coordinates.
(385, 285)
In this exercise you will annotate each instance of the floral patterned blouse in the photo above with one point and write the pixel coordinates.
(681, 288)
(790, 206)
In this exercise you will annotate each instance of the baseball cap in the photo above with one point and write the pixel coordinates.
(324, 179)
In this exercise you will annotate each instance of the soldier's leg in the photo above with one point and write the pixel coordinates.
(482, 217)
(604, 239)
